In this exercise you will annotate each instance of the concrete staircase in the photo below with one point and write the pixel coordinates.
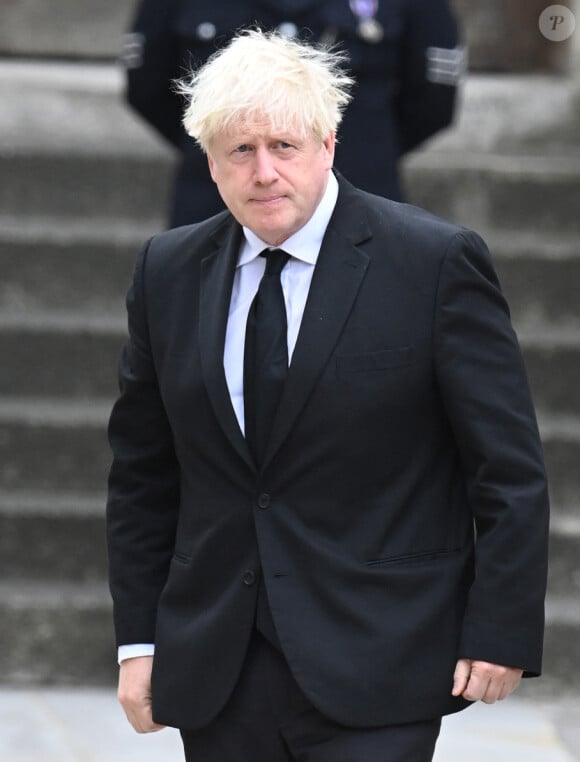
(82, 186)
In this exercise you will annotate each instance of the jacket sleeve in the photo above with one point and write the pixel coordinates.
(143, 494)
(152, 64)
(431, 69)
(483, 383)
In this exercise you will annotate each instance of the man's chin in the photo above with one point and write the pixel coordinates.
(271, 230)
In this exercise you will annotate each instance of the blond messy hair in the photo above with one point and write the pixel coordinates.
(264, 76)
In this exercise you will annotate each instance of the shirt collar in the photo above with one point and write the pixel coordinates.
(305, 243)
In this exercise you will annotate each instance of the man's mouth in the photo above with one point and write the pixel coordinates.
(268, 199)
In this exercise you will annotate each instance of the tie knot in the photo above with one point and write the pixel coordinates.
(275, 260)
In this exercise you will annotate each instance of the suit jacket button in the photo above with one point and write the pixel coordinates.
(249, 577)
(264, 501)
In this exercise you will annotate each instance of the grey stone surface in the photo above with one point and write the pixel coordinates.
(72, 360)
(561, 440)
(50, 444)
(80, 267)
(71, 148)
(89, 726)
(69, 107)
(76, 28)
(564, 574)
(503, 36)
(538, 273)
(67, 545)
(512, 731)
(497, 192)
(57, 632)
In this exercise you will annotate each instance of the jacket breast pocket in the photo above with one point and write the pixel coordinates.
(415, 559)
(374, 362)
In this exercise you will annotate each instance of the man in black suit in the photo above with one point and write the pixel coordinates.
(327, 511)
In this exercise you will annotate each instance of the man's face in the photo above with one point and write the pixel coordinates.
(271, 182)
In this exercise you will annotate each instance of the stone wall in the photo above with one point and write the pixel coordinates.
(504, 36)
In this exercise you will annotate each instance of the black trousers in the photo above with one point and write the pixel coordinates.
(268, 719)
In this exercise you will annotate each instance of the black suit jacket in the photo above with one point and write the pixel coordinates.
(405, 433)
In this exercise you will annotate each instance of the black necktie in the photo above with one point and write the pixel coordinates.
(265, 354)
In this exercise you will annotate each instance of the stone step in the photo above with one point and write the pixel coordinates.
(90, 156)
(61, 633)
(83, 112)
(85, 265)
(564, 566)
(70, 355)
(498, 113)
(511, 161)
(485, 193)
(76, 186)
(496, 192)
(63, 532)
(48, 443)
(64, 28)
(54, 265)
(552, 360)
(561, 647)
(56, 633)
(65, 356)
(561, 441)
(539, 275)
(65, 535)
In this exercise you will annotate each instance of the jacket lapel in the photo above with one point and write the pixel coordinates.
(217, 275)
(338, 275)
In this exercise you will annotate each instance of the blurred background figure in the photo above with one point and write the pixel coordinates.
(404, 54)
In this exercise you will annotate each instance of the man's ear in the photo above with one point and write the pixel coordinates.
(211, 165)
(328, 145)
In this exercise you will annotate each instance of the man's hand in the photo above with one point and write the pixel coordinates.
(482, 681)
(134, 693)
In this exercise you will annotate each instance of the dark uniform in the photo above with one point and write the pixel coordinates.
(404, 55)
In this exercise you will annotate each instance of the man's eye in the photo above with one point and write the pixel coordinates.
(242, 149)
(283, 144)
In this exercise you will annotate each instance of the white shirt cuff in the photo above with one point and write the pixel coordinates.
(134, 650)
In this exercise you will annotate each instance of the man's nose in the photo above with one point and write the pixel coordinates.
(264, 167)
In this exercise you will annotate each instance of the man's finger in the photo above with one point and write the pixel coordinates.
(483, 681)
(139, 714)
(461, 676)
(479, 681)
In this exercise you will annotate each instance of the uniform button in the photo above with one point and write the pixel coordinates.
(249, 577)
(288, 29)
(264, 500)
(206, 31)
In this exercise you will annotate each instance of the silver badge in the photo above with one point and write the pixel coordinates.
(370, 30)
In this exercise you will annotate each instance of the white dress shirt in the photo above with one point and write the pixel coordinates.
(296, 277)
